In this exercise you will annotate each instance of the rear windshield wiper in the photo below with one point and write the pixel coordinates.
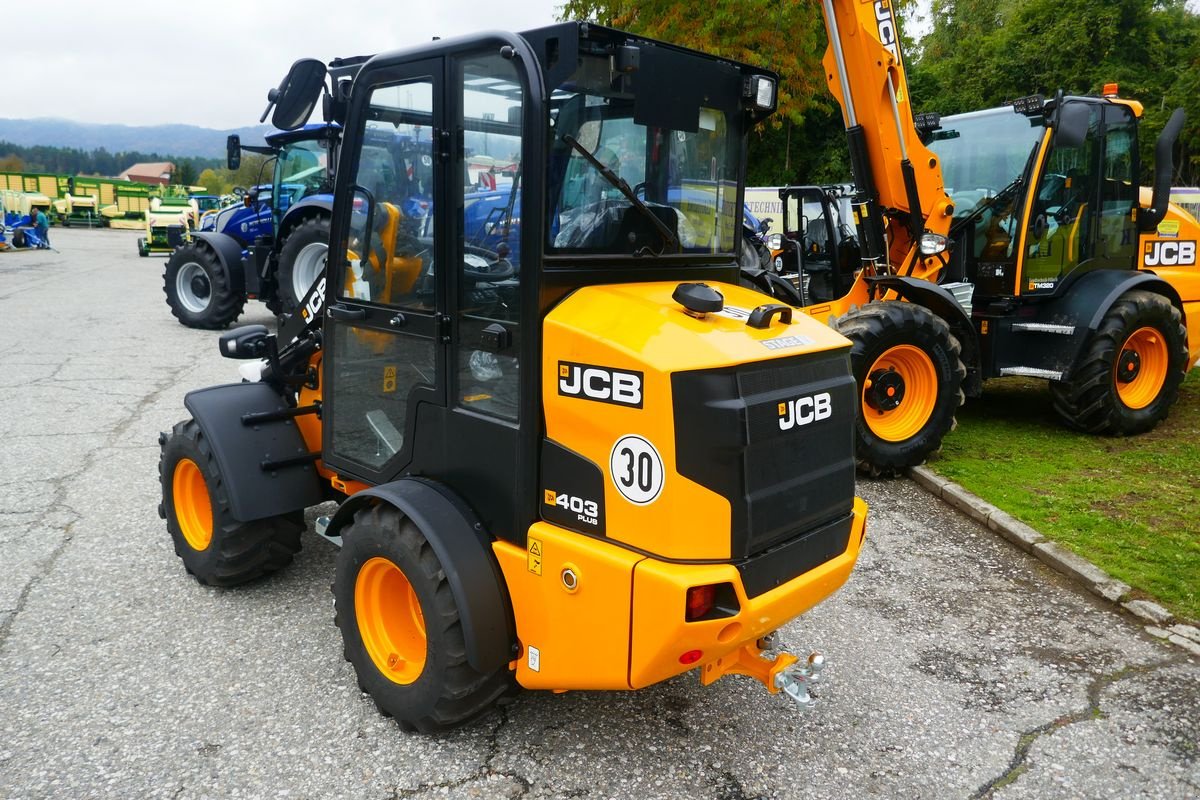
(619, 182)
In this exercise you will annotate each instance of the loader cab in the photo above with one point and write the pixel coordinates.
(431, 328)
(1040, 196)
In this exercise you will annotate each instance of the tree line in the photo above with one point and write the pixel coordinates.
(74, 161)
(976, 54)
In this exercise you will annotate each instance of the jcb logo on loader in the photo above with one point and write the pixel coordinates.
(590, 382)
(805, 410)
(886, 25)
(316, 299)
(1169, 254)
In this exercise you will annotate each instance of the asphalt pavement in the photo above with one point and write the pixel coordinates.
(959, 666)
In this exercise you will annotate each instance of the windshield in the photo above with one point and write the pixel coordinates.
(982, 152)
(661, 190)
(301, 171)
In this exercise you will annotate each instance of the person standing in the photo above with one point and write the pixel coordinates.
(41, 226)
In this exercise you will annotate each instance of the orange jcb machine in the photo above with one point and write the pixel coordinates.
(570, 451)
(1017, 239)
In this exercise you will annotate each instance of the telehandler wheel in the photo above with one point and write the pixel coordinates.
(198, 290)
(401, 628)
(910, 373)
(302, 261)
(1128, 376)
(215, 548)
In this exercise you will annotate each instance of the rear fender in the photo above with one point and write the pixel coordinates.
(229, 253)
(464, 550)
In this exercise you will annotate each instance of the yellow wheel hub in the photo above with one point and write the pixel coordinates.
(390, 621)
(899, 393)
(1141, 368)
(193, 507)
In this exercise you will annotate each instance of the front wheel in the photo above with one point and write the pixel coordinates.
(1128, 377)
(302, 261)
(909, 371)
(401, 628)
(216, 548)
(198, 289)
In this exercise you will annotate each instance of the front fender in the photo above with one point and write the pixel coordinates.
(464, 550)
(229, 253)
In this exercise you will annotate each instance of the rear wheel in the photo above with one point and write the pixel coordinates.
(216, 548)
(910, 374)
(401, 628)
(1128, 377)
(198, 290)
(302, 261)
(143, 251)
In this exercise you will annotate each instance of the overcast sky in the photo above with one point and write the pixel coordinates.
(209, 63)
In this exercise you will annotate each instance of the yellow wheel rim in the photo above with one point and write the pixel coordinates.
(390, 621)
(1141, 368)
(899, 393)
(193, 507)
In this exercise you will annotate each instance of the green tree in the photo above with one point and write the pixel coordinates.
(12, 163)
(211, 181)
(185, 173)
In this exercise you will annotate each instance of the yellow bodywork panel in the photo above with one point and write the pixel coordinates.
(570, 639)
(639, 328)
(661, 635)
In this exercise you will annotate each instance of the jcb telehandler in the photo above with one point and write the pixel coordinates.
(1038, 256)
(597, 466)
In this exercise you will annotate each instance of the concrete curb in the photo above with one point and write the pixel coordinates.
(1158, 621)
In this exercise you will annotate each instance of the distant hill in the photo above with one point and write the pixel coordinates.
(173, 140)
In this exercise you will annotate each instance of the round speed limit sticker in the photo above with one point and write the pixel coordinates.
(636, 470)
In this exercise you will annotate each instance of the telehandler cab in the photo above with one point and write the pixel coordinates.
(597, 466)
(1021, 244)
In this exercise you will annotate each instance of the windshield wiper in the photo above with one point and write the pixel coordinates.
(668, 235)
(987, 203)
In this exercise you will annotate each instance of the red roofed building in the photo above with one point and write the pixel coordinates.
(157, 172)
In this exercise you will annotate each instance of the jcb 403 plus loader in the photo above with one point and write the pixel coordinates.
(595, 466)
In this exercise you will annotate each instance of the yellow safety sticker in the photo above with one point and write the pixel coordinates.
(389, 379)
(535, 556)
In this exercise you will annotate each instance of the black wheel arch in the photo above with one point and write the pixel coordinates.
(464, 549)
(941, 302)
(308, 208)
(228, 253)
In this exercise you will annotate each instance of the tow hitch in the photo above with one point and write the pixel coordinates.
(785, 673)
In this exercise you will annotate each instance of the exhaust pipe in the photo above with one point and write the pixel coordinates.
(1164, 170)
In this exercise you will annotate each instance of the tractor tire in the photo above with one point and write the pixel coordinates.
(301, 261)
(910, 372)
(1129, 374)
(216, 549)
(401, 629)
(143, 251)
(198, 289)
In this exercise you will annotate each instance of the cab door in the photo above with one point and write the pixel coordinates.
(385, 332)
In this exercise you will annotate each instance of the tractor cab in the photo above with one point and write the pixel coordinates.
(817, 252)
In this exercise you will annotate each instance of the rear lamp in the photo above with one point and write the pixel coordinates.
(700, 601)
(932, 244)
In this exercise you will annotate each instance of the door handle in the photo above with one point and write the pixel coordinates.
(345, 313)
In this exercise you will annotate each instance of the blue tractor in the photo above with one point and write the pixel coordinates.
(272, 246)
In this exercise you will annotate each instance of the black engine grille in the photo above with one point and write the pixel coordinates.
(779, 483)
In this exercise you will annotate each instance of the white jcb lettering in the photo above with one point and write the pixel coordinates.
(886, 26)
(805, 410)
(1169, 254)
(600, 383)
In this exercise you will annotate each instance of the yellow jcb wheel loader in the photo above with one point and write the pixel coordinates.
(574, 455)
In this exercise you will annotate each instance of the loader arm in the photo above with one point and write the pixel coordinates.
(899, 194)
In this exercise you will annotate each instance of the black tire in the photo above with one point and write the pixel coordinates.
(143, 251)
(18, 238)
(302, 245)
(1091, 400)
(236, 552)
(904, 435)
(198, 289)
(447, 691)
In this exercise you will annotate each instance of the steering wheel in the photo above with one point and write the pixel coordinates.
(485, 266)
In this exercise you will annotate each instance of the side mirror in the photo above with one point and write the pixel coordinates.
(248, 341)
(233, 152)
(297, 94)
(765, 225)
(1071, 127)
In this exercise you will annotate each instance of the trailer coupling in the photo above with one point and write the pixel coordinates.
(785, 673)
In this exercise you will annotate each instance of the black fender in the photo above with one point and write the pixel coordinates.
(229, 253)
(464, 550)
(939, 300)
(1086, 300)
(242, 450)
(315, 206)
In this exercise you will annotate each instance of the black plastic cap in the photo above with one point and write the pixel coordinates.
(698, 298)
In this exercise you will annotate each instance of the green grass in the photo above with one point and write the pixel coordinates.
(1131, 505)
